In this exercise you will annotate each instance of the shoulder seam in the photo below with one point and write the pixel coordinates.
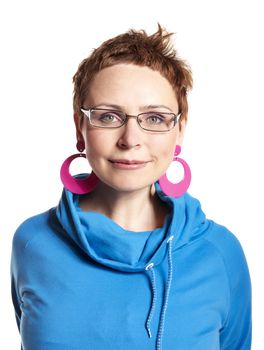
(28, 242)
(227, 276)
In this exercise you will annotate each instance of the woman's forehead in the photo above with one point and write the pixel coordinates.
(124, 84)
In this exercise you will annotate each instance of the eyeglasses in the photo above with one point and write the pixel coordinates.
(112, 119)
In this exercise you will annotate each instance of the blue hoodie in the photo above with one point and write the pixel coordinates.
(82, 282)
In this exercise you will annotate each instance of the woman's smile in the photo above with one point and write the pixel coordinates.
(128, 165)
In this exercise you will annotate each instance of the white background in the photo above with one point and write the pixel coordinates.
(42, 43)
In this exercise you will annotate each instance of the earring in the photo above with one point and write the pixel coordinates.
(176, 190)
(74, 185)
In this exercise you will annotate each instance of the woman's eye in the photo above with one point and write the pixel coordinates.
(155, 119)
(110, 117)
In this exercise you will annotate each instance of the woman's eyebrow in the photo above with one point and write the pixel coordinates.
(118, 107)
(156, 106)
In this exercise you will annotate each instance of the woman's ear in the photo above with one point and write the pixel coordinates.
(78, 126)
(181, 131)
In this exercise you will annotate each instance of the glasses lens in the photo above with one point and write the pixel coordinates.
(107, 118)
(157, 121)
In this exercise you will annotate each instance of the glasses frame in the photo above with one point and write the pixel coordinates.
(87, 113)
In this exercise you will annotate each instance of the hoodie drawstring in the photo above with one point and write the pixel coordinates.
(154, 298)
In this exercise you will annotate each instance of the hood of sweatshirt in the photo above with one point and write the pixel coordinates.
(110, 245)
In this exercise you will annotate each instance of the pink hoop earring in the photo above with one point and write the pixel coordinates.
(176, 190)
(77, 186)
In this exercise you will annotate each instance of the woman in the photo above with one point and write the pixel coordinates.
(128, 260)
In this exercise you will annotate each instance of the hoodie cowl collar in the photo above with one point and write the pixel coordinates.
(109, 244)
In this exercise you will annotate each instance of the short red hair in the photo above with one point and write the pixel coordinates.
(154, 51)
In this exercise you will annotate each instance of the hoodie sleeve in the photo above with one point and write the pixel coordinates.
(14, 279)
(14, 291)
(15, 301)
(17, 268)
(236, 331)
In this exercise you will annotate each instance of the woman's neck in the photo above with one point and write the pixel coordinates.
(140, 210)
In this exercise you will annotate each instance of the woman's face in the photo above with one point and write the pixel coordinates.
(134, 89)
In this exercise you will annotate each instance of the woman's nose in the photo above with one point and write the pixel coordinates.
(130, 134)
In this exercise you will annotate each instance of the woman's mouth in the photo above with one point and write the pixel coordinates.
(128, 164)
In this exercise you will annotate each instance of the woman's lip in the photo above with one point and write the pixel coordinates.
(127, 166)
(125, 161)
